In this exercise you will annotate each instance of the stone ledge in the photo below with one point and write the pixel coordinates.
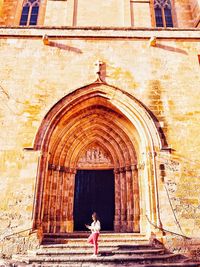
(98, 32)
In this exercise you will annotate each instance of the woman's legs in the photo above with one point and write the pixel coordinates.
(93, 239)
(96, 236)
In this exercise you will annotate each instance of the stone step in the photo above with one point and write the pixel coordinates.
(81, 238)
(171, 264)
(131, 264)
(70, 252)
(82, 241)
(103, 259)
(77, 253)
(126, 256)
(87, 233)
(85, 246)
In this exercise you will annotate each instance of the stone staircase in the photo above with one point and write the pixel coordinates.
(114, 249)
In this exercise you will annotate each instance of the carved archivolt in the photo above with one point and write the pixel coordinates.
(100, 126)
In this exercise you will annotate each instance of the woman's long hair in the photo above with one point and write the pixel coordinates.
(95, 216)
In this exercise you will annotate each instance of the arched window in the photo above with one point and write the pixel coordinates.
(29, 13)
(163, 13)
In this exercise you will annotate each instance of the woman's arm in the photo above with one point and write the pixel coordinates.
(88, 226)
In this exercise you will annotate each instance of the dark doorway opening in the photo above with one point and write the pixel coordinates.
(94, 191)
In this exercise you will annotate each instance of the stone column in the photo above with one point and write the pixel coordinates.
(50, 201)
(129, 188)
(51, 204)
(117, 222)
(64, 201)
(136, 200)
(59, 200)
(70, 207)
(123, 199)
(55, 198)
(45, 216)
(51, 181)
(41, 175)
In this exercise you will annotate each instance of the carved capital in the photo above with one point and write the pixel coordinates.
(116, 171)
(58, 168)
(134, 167)
(122, 169)
(152, 154)
(62, 168)
(141, 166)
(128, 168)
(51, 166)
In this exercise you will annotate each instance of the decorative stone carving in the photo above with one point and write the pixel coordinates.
(172, 165)
(162, 4)
(95, 156)
(141, 165)
(100, 69)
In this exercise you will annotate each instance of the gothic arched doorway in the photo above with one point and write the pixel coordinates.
(98, 127)
(94, 191)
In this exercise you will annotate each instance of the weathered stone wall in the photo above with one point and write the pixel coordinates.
(182, 14)
(195, 9)
(8, 13)
(165, 78)
(115, 13)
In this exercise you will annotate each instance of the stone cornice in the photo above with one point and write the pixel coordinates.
(100, 33)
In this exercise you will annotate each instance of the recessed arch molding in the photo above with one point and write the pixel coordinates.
(97, 127)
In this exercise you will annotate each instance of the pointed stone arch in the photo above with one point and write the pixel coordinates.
(113, 123)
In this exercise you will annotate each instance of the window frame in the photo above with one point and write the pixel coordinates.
(31, 5)
(173, 15)
(41, 13)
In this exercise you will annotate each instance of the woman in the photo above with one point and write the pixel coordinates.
(95, 228)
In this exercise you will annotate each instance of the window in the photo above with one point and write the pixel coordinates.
(163, 13)
(29, 13)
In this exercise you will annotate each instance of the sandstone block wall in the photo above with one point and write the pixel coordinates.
(165, 78)
(116, 13)
(195, 9)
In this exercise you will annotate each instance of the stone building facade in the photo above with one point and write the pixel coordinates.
(100, 85)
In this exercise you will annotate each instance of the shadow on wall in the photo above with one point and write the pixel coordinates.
(65, 47)
(156, 108)
(172, 49)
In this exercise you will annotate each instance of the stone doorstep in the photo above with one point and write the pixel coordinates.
(100, 239)
(87, 233)
(102, 234)
(79, 241)
(109, 237)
